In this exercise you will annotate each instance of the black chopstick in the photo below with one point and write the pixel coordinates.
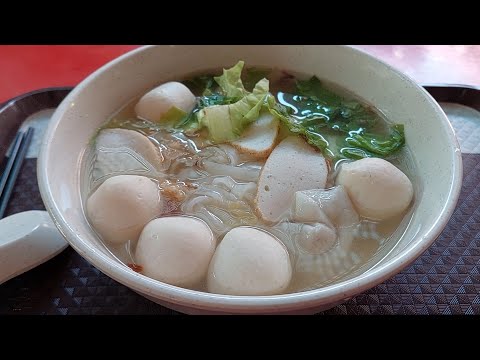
(11, 160)
(16, 158)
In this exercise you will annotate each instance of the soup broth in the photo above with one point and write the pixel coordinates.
(217, 183)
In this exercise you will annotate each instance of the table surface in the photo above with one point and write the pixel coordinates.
(24, 68)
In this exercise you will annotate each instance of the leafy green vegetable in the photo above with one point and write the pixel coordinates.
(314, 89)
(231, 83)
(214, 99)
(316, 100)
(340, 117)
(190, 121)
(227, 113)
(172, 116)
(202, 85)
(227, 122)
(251, 76)
(313, 137)
(378, 145)
(340, 128)
(249, 107)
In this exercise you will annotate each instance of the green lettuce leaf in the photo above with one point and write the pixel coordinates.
(314, 89)
(224, 113)
(190, 121)
(251, 76)
(173, 116)
(313, 137)
(382, 146)
(227, 122)
(203, 85)
(231, 83)
(339, 128)
(315, 100)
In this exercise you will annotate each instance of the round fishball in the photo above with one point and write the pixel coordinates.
(377, 188)
(249, 261)
(157, 102)
(175, 250)
(122, 205)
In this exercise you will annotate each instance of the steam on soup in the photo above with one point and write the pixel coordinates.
(247, 182)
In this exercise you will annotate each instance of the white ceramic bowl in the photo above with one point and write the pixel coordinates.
(429, 136)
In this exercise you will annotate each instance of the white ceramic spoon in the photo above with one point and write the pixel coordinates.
(27, 239)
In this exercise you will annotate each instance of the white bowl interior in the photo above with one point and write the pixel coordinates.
(428, 132)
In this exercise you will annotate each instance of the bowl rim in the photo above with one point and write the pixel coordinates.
(329, 294)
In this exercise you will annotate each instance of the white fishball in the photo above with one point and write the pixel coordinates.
(157, 102)
(175, 250)
(249, 261)
(122, 205)
(377, 188)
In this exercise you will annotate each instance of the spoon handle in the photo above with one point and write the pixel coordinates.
(27, 240)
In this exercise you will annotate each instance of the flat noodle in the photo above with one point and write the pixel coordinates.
(223, 204)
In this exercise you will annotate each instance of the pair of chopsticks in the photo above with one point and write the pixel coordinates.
(12, 168)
